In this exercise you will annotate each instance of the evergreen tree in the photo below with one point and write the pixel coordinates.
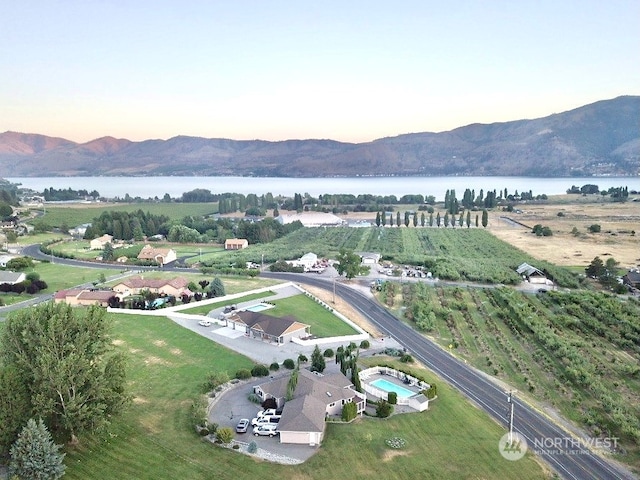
(384, 218)
(15, 407)
(216, 288)
(406, 218)
(34, 456)
(398, 218)
(415, 219)
(317, 360)
(485, 218)
(468, 218)
(107, 252)
(378, 219)
(477, 220)
(438, 220)
(446, 219)
(422, 219)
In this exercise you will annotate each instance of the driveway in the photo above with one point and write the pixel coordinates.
(227, 408)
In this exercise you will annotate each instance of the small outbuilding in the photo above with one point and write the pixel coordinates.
(236, 243)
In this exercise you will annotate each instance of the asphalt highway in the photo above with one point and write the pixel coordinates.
(552, 440)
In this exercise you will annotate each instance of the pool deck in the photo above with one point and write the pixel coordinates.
(390, 379)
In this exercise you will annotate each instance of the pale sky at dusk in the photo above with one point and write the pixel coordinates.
(273, 70)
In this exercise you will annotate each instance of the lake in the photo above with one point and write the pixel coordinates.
(151, 187)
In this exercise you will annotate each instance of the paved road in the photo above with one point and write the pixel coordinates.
(530, 423)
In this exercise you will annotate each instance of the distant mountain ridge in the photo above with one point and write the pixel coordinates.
(601, 138)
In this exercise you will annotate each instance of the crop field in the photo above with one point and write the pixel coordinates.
(578, 353)
(155, 438)
(453, 254)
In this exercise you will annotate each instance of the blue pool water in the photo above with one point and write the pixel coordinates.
(388, 386)
(258, 307)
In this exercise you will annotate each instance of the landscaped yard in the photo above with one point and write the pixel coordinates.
(155, 438)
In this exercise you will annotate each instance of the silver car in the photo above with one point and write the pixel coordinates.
(242, 425)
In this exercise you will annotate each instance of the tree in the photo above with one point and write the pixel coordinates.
(596, 268)
(107, 252)
(415, 219)
(34, 455)
(15, 407)
(317, 360)
(406, 218)
(398, 218)
(378, 219)
(348, 263)
(216, 288)
(485, 218)
(384, 218)
(468, 219)
(65, 357)
(384, 409)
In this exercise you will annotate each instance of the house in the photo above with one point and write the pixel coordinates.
(311, 219)
(162, 256)
(84, 297)
(134, 285)
(315, 397)
(309, 262)
(100, 242)
(532, 274)
(265, 327)
(632, 279)
(236, 243)
(12, 277)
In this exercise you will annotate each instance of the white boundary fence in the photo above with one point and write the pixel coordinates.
(414, 401)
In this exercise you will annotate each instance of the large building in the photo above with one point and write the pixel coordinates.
(134, 285)
(311, 219)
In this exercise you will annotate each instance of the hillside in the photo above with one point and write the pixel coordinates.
(602, 138)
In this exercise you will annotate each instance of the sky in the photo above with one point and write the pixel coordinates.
(352, 71)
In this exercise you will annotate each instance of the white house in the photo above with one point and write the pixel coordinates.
(100, 242)
(12, 277)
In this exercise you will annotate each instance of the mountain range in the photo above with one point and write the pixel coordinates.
(601, 138)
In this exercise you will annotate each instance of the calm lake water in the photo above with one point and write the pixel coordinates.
(151, 187)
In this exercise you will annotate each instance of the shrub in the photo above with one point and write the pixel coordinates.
(384, 409)
(269, 403)
(289, 363)
(243, 374)
(365, 344)
(275, 366)
(595, 228)
(214, 380)
(302, 358)
(204, 432)
(392, 398)
(253, 398)
(431, 392)
(328, 353)
(260, 371)
(349, 411)
(225, 434)
(406, 358)
(253, 447)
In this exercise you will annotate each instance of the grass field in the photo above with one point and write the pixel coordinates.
(155, 440)
(562, 213)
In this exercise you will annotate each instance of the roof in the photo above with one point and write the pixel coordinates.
(274, 326)
(84, 294)
(310, 219)
(307, 410)
(236, 241)
(632, 276)
(11, 277)
(528, 270)
(150, 253)
(303, 414)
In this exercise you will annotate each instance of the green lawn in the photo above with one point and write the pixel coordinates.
(154, 438)
(204, 309)
(323, 322)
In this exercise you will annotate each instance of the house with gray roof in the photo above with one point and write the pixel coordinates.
(316, 397)
(532, 274)
(265, 327)
(12, 277)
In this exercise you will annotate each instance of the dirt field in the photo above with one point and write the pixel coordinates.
(618, 221)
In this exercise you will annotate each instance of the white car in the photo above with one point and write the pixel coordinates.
(268, 429)
(268, 411)
(204, 323)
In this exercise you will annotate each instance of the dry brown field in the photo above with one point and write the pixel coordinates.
(616, 239)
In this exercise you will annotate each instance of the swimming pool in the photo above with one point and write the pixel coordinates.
(388, 386)
(258, 307)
